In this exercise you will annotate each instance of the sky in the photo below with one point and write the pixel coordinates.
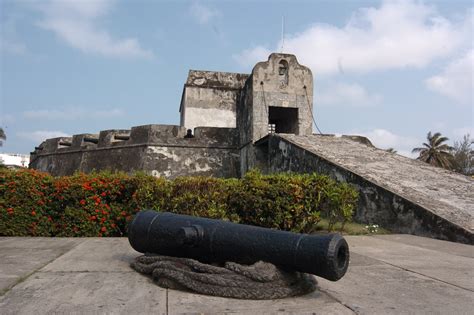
(388, 70)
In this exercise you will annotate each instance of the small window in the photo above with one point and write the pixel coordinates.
(283, 73)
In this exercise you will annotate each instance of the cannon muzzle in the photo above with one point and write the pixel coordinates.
(208, 240)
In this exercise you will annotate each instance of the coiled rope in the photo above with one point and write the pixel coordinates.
(260, 281)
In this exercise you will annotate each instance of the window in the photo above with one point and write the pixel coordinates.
(283, 73)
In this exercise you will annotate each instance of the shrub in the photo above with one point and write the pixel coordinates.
(102, 204)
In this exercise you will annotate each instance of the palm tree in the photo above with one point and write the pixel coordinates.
(435, 152)
(2, 136)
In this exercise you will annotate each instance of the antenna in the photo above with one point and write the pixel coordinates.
(282, 33)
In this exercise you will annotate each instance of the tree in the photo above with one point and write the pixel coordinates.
(3, 136)
(436, 152)
(391, 150)
(463, 156)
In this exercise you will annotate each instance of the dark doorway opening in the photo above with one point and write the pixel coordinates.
(283, 119)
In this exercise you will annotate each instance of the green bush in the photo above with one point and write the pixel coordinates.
(102, 204)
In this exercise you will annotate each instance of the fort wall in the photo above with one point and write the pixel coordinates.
(401, 194)
(159, 150)
(210, 99)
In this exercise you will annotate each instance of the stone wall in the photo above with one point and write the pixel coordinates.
(159, 150)
(274, 87)
(210, 99)
(401, 194)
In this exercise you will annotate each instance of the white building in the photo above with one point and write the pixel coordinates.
(15, 159)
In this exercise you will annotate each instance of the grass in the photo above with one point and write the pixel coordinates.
(350, 228)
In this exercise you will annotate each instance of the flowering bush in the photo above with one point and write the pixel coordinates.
(372, 228)
(102, 204)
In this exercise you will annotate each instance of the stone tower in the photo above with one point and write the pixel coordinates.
(277, 97)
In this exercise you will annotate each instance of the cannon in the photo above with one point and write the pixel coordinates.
(209, 240)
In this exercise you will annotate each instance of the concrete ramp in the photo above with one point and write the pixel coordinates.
(402, 194)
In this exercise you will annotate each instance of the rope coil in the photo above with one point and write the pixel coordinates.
(260, 281)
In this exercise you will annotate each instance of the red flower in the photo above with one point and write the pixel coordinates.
(82, 202)
(103, 194)
(113, 225)
(50, 219)
(103, 229)
(123, 213)
(33, 213)
(93, 218)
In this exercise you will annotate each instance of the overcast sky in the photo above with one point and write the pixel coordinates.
(390, 70)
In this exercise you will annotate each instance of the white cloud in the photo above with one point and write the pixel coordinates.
(456, 80)
(72, 113)
(250, 57)
(9, 41)
(398, 34)
(203, 14)
(41, 135)
(460, 132)
(77, 23)
(384, 139)
(345, 94)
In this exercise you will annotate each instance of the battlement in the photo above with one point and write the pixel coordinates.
(172, 135)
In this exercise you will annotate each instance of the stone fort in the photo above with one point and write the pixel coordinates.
(233, 122)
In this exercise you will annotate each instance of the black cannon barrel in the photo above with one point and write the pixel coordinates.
(209, 240)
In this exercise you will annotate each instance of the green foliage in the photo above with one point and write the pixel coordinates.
(463, 156)
(102, 204)
(435, 151)
(3, 136)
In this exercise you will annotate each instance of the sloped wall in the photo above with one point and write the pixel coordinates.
(379, 203)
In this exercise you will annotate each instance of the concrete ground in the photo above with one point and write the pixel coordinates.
(393, 274)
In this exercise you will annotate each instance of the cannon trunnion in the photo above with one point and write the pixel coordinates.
(209, 240)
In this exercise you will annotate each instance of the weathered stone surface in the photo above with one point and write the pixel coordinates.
(85, 293)
(159, 150)
(272, 98)
(20, 256)
(385, 276)
(211, 99)
(216, 79)
(451, 268)
(315, 303)
(90, 255)
(402, 194)
(271, 89)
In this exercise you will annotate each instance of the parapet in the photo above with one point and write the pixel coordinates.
(212, 79)
(153, 135)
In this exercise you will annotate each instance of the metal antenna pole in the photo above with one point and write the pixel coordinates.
(282, 33)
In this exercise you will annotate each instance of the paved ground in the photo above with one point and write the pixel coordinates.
(396, 274)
